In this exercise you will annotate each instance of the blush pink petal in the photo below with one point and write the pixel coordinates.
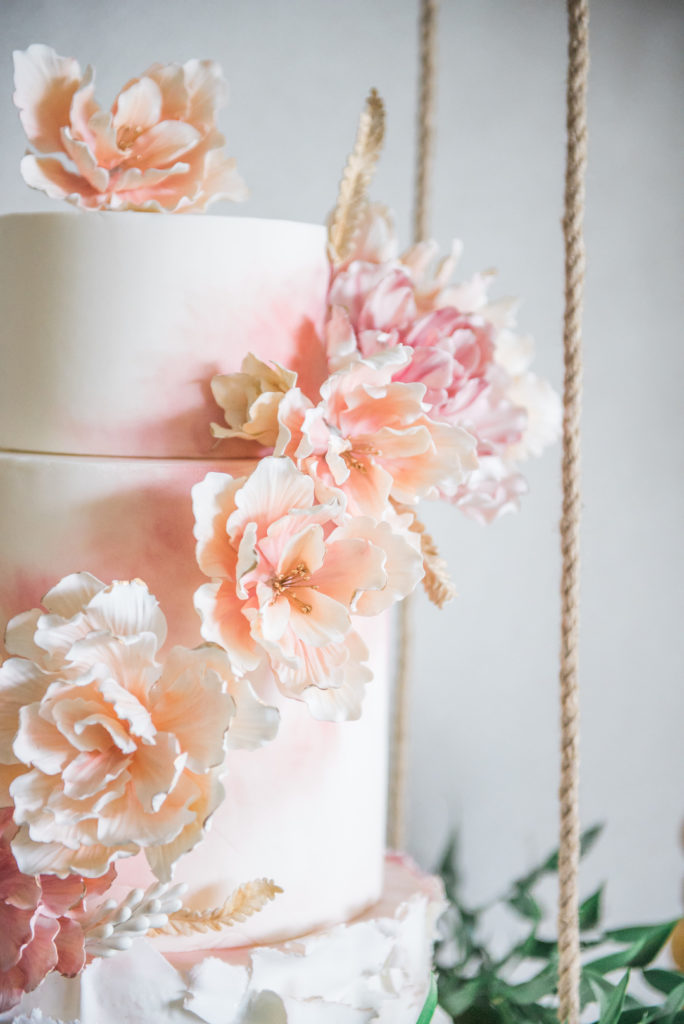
(194, 713)
(138, 107)
(44, 86)
(206, 91)
(20, 633)
(164, 143)
(38, 742)
(40, 956)
(352, 565)
(47, 174)
(275, 616)
(274, 488)
(21, 683)
(86, 163)
(213, 501)
(157, 768)
(70, 948)
(223, 623)
(327, 622)
(90, 772)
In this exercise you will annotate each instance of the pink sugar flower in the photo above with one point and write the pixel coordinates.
(39, 921)
(106, 751)
(370, 436)
(288, 573)
(157, 149)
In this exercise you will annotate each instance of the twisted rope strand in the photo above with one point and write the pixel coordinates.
(573, 220)
(426, 134)
(426, 119)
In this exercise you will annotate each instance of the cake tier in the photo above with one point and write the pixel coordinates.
(375, 968)
(306, 810)
(114, 324)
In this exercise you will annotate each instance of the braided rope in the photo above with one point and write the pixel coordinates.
(426, 119)
(568, 860)
(426, 134)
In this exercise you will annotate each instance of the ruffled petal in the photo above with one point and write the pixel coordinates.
(164, 143)
(72, 594)
(127, 609)
(136, 109)
(48, 175)
(44, 86)
(191, 702)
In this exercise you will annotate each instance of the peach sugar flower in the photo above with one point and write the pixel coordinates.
(461, 347)
(39, 921)
(103, 751)
(369, 435)
(250, 400)
(287, 574)
(158, 149)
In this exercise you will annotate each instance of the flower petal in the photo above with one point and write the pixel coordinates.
(72, 594)
(44, 86)
(138, 107)
(191, 702)
(50, 176)
(164, 143)
(127, 608)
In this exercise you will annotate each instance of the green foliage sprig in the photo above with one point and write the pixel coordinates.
(476, 987)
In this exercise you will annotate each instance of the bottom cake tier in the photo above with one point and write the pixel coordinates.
(373, 968)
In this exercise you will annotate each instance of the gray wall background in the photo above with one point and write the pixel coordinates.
(484, 717)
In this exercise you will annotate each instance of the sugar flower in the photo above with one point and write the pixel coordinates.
(106, 751)
(287, 573)
(250, 400)
(370, 437)
(40, 919)
(157, 149)
(458, 344)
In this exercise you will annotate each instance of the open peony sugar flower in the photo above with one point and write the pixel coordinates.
(157, 149)
(369, 436)
(39, 921)
(457, 344)
(103, 750)
(288, 573)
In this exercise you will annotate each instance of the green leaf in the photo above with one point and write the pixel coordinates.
(590, 911)
(526, 905)
(673, 1003)
(459, 997)
(550, 865)
(663, 981)
(641, 952)
(428, 1011)
(637, 933)
(447, 868)
(543, 984)
(537, 949)
(611, 1008)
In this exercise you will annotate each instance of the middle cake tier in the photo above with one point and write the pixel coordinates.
(291, 806)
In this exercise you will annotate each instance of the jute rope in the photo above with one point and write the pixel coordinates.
(424, 155)
(573, 220)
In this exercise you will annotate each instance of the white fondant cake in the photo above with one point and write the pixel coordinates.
(114, 324)
(311, 806)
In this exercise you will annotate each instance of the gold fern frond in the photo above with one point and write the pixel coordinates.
(437, 583)
(352, 196)
(246, 900)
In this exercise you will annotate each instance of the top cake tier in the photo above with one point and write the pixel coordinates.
(114, 324)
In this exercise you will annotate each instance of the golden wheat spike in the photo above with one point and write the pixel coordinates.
(352, 197)
(246, 900)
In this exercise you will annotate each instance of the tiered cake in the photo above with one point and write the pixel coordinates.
(213, 435)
